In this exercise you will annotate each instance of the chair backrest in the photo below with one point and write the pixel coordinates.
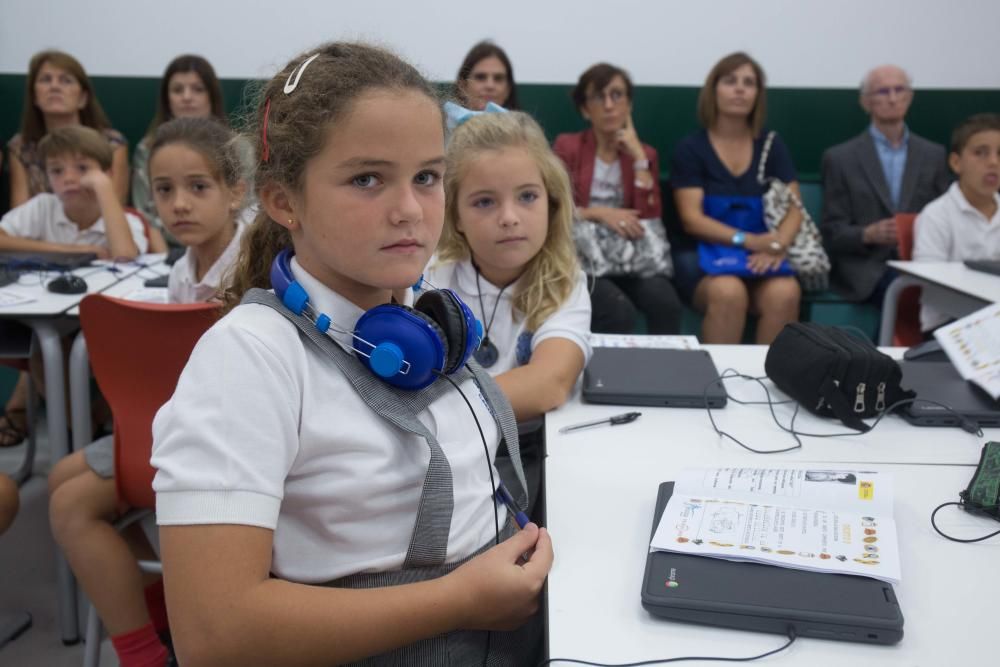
(137, 352)
(907, 331)
(812, 199)
(904, 232)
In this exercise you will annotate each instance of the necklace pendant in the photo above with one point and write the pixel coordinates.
(487, 353)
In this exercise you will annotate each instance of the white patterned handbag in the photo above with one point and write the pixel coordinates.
(605, 252)
(806, 254)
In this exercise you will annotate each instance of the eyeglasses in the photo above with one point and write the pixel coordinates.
(483, 77)
(616, 95)
(886, 91)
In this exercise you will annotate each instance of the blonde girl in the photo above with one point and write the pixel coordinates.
(507, 251)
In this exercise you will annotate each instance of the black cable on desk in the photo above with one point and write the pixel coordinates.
(662, 661)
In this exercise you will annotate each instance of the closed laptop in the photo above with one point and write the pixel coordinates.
(767, 598)
(653, 376)
(945, 393)
(45, 261)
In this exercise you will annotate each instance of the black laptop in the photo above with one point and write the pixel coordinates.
(45, 261)
(652, 376)
(766, 598)
(984, 265)
(938, 381)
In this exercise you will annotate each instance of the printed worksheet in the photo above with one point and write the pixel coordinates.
(973, 346)
(820, 519)
(635, 340)
(9, 298)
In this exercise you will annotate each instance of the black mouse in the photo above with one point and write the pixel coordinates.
(67, 284)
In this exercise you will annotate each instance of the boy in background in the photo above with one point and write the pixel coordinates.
(964, 222)
(81, 214)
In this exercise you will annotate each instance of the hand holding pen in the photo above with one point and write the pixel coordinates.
(626, 418)
(503, 495)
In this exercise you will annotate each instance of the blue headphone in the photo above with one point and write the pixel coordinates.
(405, 347)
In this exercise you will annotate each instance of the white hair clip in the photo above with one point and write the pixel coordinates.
(291, 85)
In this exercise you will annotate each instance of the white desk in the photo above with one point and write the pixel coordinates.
(687, 434)
(155, 266)
(600, 512)
(950, 287)
(51, 316)
(601, 489)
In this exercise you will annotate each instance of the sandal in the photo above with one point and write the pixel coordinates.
(13, 427)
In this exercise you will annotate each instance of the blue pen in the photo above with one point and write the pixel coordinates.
(503, 495)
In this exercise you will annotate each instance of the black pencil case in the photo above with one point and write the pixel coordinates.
(832, 373)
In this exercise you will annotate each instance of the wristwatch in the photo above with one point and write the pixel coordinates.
(641, 165)
(739, 238)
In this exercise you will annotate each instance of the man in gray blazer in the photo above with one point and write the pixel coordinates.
(868, 179)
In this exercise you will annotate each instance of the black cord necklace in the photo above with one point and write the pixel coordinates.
(487, 354)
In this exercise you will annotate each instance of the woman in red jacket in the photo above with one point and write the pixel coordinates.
(614, 178)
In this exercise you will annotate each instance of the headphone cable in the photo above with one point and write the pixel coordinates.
(486, 451)
(662, 661)
(968, 508)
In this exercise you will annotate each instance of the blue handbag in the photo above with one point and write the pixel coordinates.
(739, 212)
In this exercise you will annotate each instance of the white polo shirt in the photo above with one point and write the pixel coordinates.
(42, 218)
(264, 430)
(513, 342)
(949, 229)
(184, 287)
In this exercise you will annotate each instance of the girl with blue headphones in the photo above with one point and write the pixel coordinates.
(323, 445)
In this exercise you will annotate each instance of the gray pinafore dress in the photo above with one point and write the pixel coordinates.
(429, 541)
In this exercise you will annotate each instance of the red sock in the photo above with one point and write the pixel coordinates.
(140, 648)
(156, 604)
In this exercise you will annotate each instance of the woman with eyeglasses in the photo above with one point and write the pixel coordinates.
(614, 177)
(485, 76)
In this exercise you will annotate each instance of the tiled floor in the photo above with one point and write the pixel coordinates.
(27, 575)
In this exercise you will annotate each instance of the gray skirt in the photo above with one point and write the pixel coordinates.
(460, 648)
(100, 456)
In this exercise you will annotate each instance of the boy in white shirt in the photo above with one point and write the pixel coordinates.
(83, 213)
(964, 222)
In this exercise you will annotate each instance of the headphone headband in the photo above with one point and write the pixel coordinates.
(405, 347)
(285, 286)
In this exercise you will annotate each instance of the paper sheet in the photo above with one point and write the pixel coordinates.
(8, 298)
(973, 346)
(148, 294)
(633, 340)
(818, 519)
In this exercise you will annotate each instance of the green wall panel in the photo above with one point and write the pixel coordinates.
(810, 120)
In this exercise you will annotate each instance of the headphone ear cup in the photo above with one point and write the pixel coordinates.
(407, 336)
(455, 320)
(438, 331)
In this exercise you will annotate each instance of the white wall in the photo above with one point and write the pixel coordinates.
(804, 43)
